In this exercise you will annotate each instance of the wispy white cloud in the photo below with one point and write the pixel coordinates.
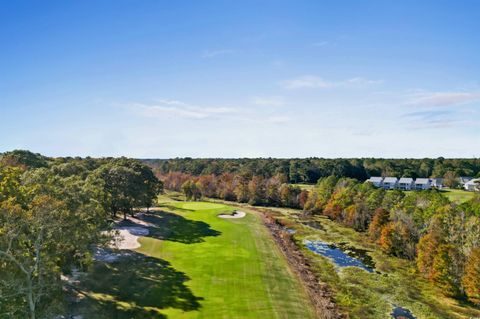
(162, 108)
(312, 82)
(435, 119)
(206, 54)
(268, 100)
(433, 99)
(306, 81)
(441, 123)
(359, 81)
(428, 115)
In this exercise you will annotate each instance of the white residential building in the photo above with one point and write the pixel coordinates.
(390, 183)
(472, 185)
(464, 179)
(405, 183)
(422, 183)
(376, 181)
(437, 182)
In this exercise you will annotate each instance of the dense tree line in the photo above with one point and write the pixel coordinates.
(53, 211)
(309, 170)
(257, 190)
(424, 226)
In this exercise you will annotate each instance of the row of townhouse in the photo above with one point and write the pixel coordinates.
(405, 183)
(408, 183)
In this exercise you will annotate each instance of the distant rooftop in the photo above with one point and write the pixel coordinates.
(473, 181)
(390, 180)
(405, 180)
(422, 181)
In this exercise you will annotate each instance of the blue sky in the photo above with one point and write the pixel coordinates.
(241, 78)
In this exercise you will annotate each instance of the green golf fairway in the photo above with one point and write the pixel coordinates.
(200, 266)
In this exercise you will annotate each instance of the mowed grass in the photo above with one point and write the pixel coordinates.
(197, 265)
(458, 195)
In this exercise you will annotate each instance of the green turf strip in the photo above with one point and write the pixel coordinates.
(197, 265)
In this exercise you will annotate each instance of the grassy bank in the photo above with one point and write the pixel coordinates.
(458, 195)
(196, 265)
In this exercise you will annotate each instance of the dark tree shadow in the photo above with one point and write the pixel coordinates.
(171, 207)
(143, 282)
(173, 227)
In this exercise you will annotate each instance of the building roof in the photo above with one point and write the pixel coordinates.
(473, 181)
(422, 181)
(375, 179)
(390, 180)
(465, 179)
(406, 180)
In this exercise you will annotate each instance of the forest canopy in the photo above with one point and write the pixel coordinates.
(53, 213)
(310, 170)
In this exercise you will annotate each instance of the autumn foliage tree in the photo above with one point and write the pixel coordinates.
(380, 218)
(445, 269)
(191, 190)
(397, 239)
(471, 278)
(256, 191)
(241, 189)
(427, 249)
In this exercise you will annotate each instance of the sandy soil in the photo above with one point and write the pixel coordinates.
(236, 214)
(127, 237)
(139, 221)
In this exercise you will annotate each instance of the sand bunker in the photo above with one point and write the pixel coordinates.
(139, 220)
(128, 237)
(235, 214)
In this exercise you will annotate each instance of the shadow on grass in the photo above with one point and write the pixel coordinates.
(136, 286)
(174, 207)
(173, 227)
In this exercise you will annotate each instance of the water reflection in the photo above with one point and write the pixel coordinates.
(402, 313)
(342, 255)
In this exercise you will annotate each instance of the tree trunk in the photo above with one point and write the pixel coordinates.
(31, 303)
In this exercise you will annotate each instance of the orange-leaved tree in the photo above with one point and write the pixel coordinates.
(471, 278)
